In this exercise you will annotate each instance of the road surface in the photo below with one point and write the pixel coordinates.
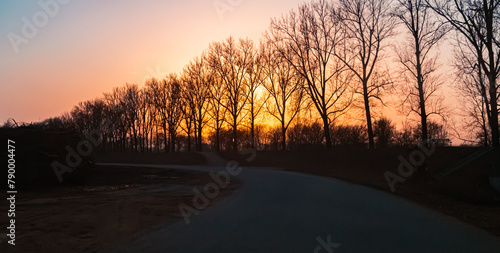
(279, 211)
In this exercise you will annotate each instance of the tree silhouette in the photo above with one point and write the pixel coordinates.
(477, 23)
(308, 39)
(473, 88)
(173, 106)
(420, 85)
(285, 88)
(197, 80)
(256, 98)
(231, 60)
(367, 24)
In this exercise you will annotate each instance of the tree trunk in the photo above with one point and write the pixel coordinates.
(172, 142)
(252, 133)
(494, 112)
(492, 74)
(235, 136)
(371, 143)
(326, 129)
(217, 136)
(165, 137)
(283, 136)
(199, 140)
(196, 134)
(421, 95)
(423, 113)
(189, 141)
(158, 139)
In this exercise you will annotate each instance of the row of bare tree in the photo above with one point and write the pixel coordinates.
(316, 63)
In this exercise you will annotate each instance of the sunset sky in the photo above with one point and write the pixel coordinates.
(87, 47)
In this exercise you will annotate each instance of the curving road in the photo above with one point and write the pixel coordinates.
(279, 211)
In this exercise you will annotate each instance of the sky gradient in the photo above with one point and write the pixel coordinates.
(85, 48)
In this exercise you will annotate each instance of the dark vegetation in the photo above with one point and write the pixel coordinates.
(37, 149)
(40, 146)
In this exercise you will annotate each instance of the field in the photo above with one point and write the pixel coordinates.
(112, 205)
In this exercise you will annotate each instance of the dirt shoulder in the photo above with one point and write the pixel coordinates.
(465, 195)
(114, 205)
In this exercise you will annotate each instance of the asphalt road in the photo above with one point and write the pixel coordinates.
(279, 211)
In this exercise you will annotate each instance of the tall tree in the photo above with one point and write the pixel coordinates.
(256, 98)
(308, 39)
(419, 65)
(472, 85)
(158, 96)
(230, 60)
(216, 111)
(116, 114)
(173, 106)
(150, 117)
(131, 102)
(285, 88)
(188, 113)
(367, 24)
(197, 80)
(477, 23)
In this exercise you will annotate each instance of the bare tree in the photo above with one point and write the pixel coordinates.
(144, 123)
(89, 116)
(216, 110)
(188, 113)
(158, 97)
(473, 94)
(367, 25)
(478, 22)
(285, 88)
(420, 85)
(231, 60)
(173, 106)
(254, 79)
(131, 102)
(166, 96)
(150, 116)
(308, 40)
(115, 114)
(197, 80)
